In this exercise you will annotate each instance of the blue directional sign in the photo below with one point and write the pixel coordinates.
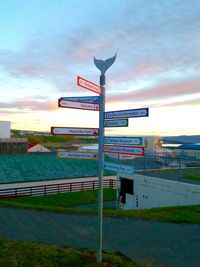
(123, 140)
(86, 99)
(129, 113)
(118, 167)
(116, 123)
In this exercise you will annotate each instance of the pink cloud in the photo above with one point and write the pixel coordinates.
(29, 104)
(158, 92)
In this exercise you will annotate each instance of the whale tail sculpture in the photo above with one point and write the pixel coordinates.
(103, 65)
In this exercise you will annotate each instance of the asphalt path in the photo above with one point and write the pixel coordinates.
(163, 244)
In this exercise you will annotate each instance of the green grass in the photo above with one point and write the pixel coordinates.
(182, 214)
(56, 139)
(32, 254)
(67, 202)
(193, 177)
(185, 174)
(64, 200)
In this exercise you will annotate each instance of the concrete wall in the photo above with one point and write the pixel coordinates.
(5, 129)
(149, 192)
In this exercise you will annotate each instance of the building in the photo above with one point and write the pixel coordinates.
(141, 192)
(13, 145)
(37, 148)
(5, 129)
(191, 150)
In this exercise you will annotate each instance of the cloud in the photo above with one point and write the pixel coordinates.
(158, 92)
(150, 39)
(190, 102)
(27, 105)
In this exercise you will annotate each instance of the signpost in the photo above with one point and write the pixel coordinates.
(75, 131)
(86, 99)
(138, 141)
(116, 123)
(131, 150)
(102, 66)
(88, 85)
(77, 105)
(129, 113)
(109, 144)
(118, 168)
(77, 155)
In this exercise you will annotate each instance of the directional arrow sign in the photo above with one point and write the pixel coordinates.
(88, 85)
(75, 131)
(138, 141)
(131, 150)
(116, 123)
(77, 105)
(86, 99)
(129, 113)
(118, 168)
(76, 155)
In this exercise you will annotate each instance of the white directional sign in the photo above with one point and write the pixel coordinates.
(117, 140)
(129, 113)
(118, 168)
(75, 131)
(76, 155)
(86, 99)
(131, 150)
(77, 105)
(88, 85)
(116, 123)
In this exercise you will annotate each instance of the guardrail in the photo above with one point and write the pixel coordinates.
(54, 188)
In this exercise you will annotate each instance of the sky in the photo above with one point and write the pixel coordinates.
(45, 45)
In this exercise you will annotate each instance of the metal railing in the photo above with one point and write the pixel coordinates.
(177, 168)
(54, 188)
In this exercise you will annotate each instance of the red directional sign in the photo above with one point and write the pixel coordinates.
(77, 105)
(130, 150)
(88, 85)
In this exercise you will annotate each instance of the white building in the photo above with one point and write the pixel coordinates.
(5, 129)
(141, 192)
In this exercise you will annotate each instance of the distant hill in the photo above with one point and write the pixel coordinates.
(182, 139)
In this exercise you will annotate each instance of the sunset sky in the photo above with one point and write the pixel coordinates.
(46, 44)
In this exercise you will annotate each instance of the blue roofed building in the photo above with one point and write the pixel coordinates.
(192, 150)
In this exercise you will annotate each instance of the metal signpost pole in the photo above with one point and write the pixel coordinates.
(100, 166)
(102, 66)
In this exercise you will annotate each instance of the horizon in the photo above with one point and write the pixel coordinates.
(49, 132)
(45, 46)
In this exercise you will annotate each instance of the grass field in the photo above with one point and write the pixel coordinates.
(31, 254)
(195, 177)
(67, 202)
(177, 174)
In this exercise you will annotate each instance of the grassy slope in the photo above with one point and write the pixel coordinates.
(56, 139)
(66, 203)
(27, 254)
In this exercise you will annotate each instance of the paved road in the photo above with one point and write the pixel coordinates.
(164, 244)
